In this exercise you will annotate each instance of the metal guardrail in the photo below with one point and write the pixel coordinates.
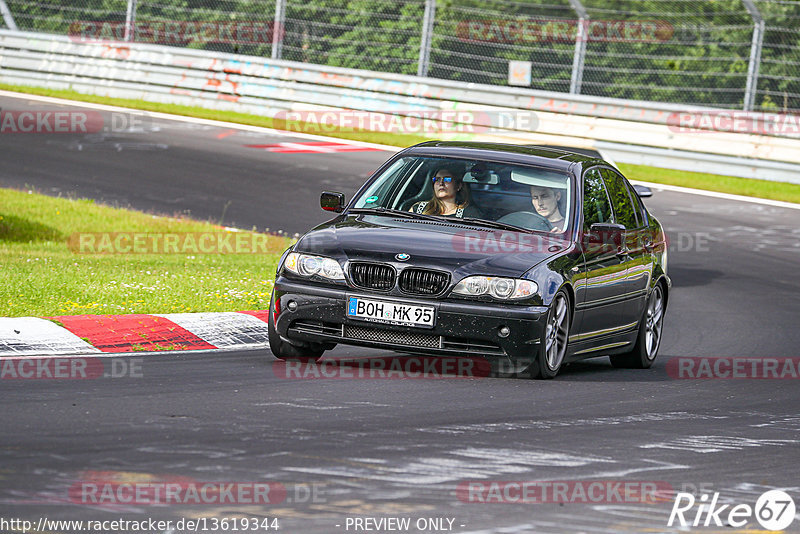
(635, 132)
(699, 162)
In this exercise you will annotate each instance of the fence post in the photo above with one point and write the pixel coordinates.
(754, 65)
(427, 35)
(7, 17)
(580, 47)
(130, 21)
(278, 30)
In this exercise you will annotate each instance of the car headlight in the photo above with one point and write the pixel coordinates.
(499, 288)
(308, 265)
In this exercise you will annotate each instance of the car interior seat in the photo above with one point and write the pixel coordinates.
(425, 188)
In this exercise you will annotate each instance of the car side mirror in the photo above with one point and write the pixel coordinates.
(606, 228)
(604, 234)
(643, 191)
(332, 201)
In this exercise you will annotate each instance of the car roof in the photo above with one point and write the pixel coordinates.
(585, 151)
(527, 154)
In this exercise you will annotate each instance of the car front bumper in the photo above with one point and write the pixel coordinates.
(318, 314)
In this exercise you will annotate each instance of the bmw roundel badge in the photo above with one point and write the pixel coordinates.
(402, 256)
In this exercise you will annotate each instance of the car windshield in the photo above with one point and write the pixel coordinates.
(526, 197)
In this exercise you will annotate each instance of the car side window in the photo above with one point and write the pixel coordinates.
(641, 213)
(596, 206)
(620, 199)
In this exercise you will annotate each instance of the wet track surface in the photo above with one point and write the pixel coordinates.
(400, 448)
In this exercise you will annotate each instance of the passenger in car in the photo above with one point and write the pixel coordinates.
(450, 196)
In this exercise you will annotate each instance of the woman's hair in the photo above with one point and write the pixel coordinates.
(436, 206)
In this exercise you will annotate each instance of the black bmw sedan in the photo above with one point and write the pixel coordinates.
(530, 257)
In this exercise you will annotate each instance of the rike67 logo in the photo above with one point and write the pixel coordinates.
(774, 510)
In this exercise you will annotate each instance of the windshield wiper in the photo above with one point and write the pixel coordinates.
(495, 224)
(399, 213)
(382, 211)
(441, 218)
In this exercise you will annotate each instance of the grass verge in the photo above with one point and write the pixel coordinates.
(43, 276)
(712, 182)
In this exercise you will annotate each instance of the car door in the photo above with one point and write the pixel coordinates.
(600, 303)
(639, 242)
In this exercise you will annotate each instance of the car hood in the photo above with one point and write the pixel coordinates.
(458, 248)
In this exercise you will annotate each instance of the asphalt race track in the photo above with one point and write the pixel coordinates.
(400, 448)
(175, 167)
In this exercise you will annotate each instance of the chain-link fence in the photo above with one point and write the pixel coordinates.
(381, 35)
(474, 40)
(700, 51)
(721, 53)
(779, 75)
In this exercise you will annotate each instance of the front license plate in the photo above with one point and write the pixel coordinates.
(381, 311)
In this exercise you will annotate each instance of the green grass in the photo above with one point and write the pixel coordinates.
(42, 276)
(714, 182)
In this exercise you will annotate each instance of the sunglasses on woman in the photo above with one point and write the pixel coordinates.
(445, 179)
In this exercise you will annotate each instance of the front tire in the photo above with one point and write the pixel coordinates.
(554, 342)
(648, 340)
(286, 351)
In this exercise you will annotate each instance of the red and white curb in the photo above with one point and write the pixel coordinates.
(88, 334)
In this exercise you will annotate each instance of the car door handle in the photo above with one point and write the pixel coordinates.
(648, 246)
(622, 252)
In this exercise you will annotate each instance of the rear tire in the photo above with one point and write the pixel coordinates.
(286, 351)
(554, 342)
(648, 340)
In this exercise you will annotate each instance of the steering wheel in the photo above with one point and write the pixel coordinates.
(528, 220)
